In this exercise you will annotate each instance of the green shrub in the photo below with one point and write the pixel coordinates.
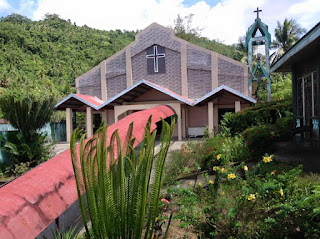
(272, 200)
(264, 113)
(259, 138)
(189, 159)
(233, 149)
(34, 150)
(284, 128)
(28, 116)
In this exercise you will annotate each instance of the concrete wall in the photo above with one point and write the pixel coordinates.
(153, 95)
(170, 80)
(231, 75)
(155, 35)
(90, 83)
(191, 71)
(198, 116)
(199, 83)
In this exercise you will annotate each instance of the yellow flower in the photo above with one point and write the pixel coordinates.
(231, 176)
(179, 219)
(223, 170)
(245, 168)
(222, 192)
(191, 183)
(216, 168)
(200, 184)
(210, 181)
(273, 172)
(252, 197)
(281, 192)
(267, 159)
(218, 156)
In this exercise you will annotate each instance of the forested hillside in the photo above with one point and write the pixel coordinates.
(44, 57)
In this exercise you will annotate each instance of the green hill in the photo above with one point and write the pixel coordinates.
(46, 56)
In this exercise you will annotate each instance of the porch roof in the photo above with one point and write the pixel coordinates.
(139, 89)
(306, 48)
(220, 92)
(78, 101)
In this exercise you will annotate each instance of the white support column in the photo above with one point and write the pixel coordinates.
(69, 125)
(178, 111)
(210, 117)
(89, 122)
(237, 106)
(215, 119)
(183, 114)
(187, 122)
(104, 117)
(116, 114)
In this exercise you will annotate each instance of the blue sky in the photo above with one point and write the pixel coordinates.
(224, 20)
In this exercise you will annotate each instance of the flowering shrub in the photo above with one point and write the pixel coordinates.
(233, 149)
(259, 138)
(269, 200)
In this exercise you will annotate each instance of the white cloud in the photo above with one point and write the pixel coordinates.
(226, 21)
(4, 5)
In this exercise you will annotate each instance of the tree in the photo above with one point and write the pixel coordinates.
(286, 34)
(28, 116)
(183, 29)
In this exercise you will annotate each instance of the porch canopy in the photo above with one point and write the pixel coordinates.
(226, 95)
(138, 89)
(79, 102)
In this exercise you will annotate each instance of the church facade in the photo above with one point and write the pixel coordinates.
(160, 68)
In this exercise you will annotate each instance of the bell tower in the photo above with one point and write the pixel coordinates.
(257, 38)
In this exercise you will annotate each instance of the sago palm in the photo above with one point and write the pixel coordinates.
(121, 201)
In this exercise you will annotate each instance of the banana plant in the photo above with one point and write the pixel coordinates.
(122, 199)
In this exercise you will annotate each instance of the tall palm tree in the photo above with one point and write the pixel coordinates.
(286, 34)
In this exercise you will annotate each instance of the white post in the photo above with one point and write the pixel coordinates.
(89, 122)
(104, 117)
(210, 117)
(237, 106)
(69, 125)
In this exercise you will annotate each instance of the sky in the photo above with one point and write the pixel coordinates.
(223, 20)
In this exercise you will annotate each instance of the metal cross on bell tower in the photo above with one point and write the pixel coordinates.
(257, 11)
(255, 40)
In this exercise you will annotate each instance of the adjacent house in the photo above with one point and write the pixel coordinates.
(303, 61)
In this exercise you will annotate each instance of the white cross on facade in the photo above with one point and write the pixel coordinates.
(155, 57)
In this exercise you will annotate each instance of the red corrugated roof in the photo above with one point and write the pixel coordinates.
(34, 200)
(91, 99)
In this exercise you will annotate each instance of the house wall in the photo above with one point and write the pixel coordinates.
(198, 116)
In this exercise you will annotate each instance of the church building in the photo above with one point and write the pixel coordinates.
(159, 68)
